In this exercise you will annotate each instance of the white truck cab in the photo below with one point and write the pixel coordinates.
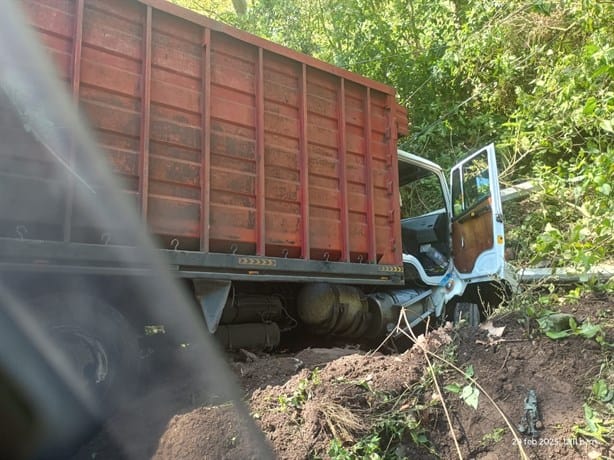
(453, 234)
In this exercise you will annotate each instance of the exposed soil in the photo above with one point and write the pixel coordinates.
(560, 371)
(301, 402)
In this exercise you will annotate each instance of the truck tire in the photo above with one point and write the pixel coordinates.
(98, 341)
(468, 312)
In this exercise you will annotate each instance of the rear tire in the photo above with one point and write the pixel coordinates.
(98, 341)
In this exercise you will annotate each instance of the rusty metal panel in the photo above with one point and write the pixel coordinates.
(283, 144)
(227, 142)
(233, 219)
(109, 86)
(55, 23)
(174, 199)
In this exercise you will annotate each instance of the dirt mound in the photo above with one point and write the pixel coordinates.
(304, 402)
(207, 433)
(341, 403)
(301, 416)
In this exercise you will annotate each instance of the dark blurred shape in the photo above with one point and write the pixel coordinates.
(68, 357)
(44, 413)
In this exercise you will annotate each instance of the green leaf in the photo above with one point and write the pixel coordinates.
(589, 418)
(453, 388)
(602, 391)
(469, 371)
(591, 415)
(591, 434)
(604, 69)
(588, 330)
(605, 189)
(606, 125)
(555, 335)
(471, 396)
(590, 106)
(422, 439)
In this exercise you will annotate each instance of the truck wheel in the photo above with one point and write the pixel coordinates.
(468, 312)
(97, 340)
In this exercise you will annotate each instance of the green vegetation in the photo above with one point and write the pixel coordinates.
(469, 393)
(559, 326)
(595, 426)
(398, 421)
(494, 436)
(555, 325)
(598, 413)
(385, 439)
(303, 392)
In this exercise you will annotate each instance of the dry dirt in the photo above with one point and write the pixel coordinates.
(302, 401)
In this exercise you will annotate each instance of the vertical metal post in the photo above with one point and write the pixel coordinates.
(76, 83)
(343, 187)
(304, 162)
(77, 47)
(145, 114)
(205, 172)
(260, 165)
(369, 180)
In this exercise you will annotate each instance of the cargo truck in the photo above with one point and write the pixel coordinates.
(270, 181)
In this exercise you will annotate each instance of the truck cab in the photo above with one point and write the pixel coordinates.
(452, 230)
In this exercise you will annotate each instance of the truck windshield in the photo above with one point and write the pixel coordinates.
(422, 196)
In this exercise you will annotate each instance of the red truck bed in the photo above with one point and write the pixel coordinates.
(226, 142)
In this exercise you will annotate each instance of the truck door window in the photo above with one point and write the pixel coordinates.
(470, 185)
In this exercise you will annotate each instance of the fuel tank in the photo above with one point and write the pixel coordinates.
(347, 312)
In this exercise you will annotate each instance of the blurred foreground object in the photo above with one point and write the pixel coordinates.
(68, 357)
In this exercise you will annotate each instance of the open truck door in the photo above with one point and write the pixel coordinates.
(478, 242)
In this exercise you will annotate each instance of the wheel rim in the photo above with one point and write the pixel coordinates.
(87, 355)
